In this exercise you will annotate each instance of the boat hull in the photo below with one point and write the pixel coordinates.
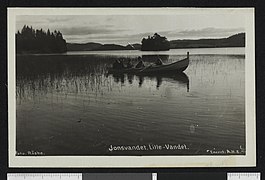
(178, 66)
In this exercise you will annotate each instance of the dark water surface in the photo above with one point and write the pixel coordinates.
(70, 105)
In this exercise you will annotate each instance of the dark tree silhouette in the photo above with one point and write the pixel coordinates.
(38, 41)
(155, 43)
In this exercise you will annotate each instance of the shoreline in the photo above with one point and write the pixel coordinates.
(65, 53)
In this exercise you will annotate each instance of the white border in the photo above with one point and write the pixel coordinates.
(136, 161)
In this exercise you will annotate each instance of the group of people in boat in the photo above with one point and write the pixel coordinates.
(119, 63)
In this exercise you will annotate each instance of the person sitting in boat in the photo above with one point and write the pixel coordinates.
(122, 66)
(129, 64)
(140, 63)
(118, 64)
(158, 62)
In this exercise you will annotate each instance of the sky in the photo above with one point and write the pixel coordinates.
(125, 29)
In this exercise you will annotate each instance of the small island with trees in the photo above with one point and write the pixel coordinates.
(29, 40)
(155, 43)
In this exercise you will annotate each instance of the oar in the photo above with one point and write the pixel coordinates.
(145, 68)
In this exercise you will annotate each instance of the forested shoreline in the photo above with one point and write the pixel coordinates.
(29, 40)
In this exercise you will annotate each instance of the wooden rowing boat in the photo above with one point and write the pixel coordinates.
(178, 66)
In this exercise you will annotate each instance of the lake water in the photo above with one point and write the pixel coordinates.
(68, 104)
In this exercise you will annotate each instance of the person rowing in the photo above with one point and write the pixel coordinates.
(129, 64)
(158, 61)
(140, 63)
(118, 64)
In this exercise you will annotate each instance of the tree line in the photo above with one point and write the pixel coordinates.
(39, 41)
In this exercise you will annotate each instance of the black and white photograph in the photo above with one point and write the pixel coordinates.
(140, 86)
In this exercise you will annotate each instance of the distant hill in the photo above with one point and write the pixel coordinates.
(91, 46)
(237, 40)
(110, 47)
(82, 47)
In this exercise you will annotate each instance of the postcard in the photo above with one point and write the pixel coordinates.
(131, 87)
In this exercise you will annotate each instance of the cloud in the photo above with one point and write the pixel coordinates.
(91, 30)
(58, 19)
(205, 32)
(120, 38)
(85, 30)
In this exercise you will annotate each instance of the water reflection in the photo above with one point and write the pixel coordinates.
(119, 78)
(180, 78)
(69, 105)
